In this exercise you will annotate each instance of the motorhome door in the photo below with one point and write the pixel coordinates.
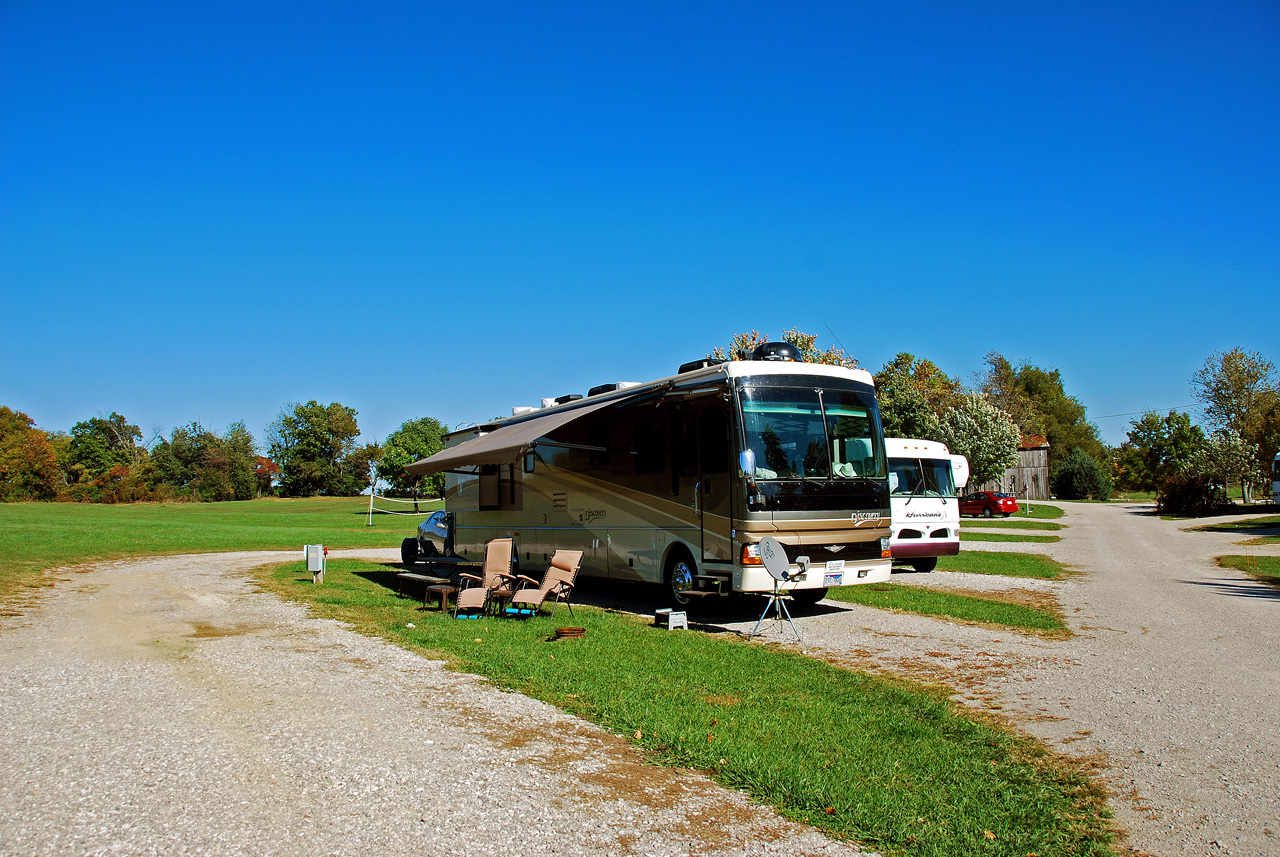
(714, 485)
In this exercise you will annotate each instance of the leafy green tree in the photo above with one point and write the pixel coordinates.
(102, 443)
(1080, 477)
(363, 464)
(1234, 389)
(412, 441)
(984, 434)
(1238, 391)
(1227, 457)
(913, 393)
(312, 444)
(196, 463)
(28, 468)
(104, 462)
(1037, 401)
(1156, 448)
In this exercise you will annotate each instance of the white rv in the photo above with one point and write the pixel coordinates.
(923, 480)
(676, 481)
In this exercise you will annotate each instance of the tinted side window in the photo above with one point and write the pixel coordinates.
(714, 442)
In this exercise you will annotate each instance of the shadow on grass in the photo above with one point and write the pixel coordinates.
(709, 613)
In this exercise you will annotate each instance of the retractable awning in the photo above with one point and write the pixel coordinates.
(508, 444)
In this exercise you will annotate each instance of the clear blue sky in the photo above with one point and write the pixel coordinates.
(448, 210)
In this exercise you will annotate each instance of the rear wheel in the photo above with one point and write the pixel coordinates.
(986, 512)
(679, 579)
(925, 564)
(409, 551)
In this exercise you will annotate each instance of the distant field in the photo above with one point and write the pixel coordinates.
(36, 536)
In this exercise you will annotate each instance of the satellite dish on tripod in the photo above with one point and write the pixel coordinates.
(774, 557)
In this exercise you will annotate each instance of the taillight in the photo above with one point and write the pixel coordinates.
(751, 555)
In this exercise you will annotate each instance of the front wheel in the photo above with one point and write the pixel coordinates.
(1006, 514)
(679, 580)
(926, 564)
(409, 551)
(986, 513)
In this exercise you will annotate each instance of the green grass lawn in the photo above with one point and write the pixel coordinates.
(971, 536)
(1264, 568)
(1267, 525)
(1038, 511)
(36, 536)
(1007, 564)
(882, 762)
(950, 605)
(1010, 524)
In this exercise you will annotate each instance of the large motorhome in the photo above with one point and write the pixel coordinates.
(923, 478)
(676, 481)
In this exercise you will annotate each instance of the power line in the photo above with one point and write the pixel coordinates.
(1147, 411)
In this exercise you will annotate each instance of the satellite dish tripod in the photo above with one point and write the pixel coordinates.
(775, 560)
(778, 604)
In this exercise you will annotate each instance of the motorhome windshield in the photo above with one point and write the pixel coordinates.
(917, 477)
(815, 433)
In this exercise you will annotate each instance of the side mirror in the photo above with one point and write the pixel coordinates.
(747, 463)
(893, 482)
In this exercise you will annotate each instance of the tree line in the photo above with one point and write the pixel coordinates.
(309, 450)
(312, 449)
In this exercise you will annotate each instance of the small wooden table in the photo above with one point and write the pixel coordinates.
(443, 590)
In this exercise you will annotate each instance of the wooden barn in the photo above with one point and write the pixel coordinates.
(1029, 478)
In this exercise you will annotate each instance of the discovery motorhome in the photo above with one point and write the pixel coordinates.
(923, 478)
(677, 480)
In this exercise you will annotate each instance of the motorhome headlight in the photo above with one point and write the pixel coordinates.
(884, 548)
(751, 555)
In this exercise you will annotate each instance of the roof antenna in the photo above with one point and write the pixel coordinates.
(836, 338)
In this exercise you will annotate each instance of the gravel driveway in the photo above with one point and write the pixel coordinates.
(162, 706)
(1171, 680)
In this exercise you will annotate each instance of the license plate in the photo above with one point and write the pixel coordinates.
(835, 565)
(836, 579)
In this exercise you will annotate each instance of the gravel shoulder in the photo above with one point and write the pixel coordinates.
(163, 706)
(1170, 682)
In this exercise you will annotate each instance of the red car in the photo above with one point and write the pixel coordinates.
(987, 504)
